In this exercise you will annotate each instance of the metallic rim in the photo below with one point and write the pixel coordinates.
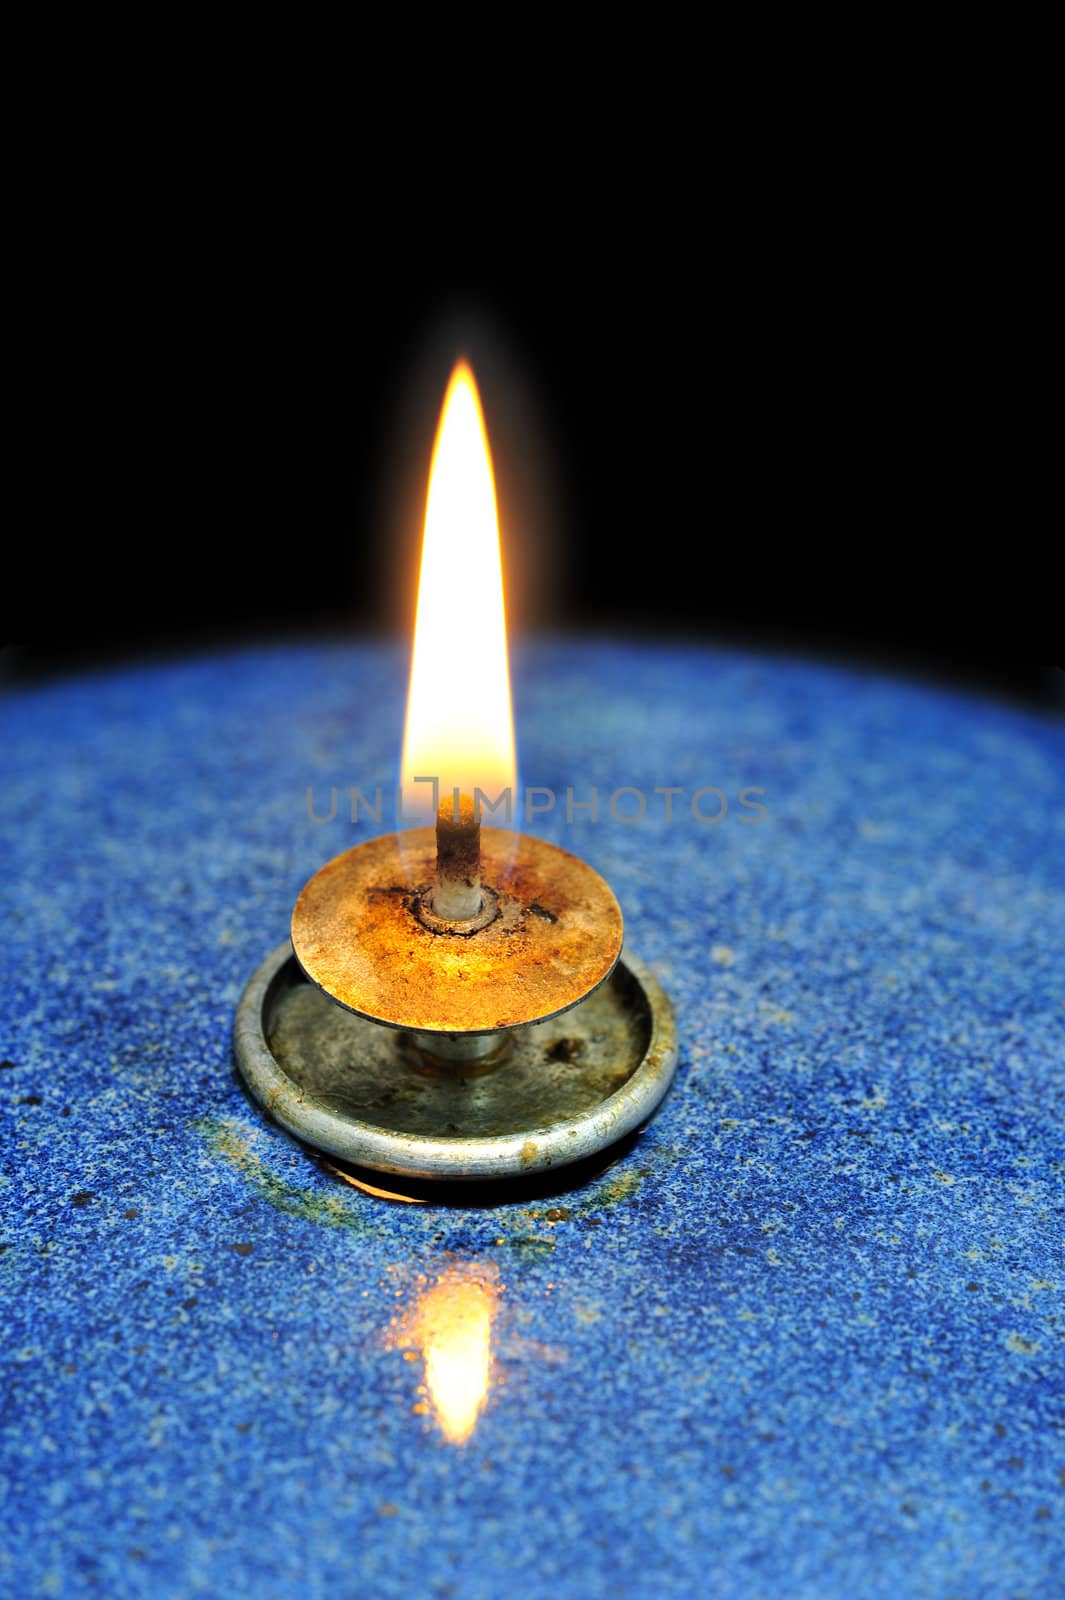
(415, 1155)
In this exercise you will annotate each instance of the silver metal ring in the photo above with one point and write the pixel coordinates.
(303, 1059)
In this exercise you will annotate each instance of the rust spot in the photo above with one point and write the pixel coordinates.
(565, 1050)
(528, 1150)
(243, 1249)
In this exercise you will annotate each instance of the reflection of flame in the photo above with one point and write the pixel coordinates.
(375, 1189)
(452, 1325)
(459, 728)
(457, 1329)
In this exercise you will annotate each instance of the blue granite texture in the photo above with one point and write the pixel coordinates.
(803, 1340)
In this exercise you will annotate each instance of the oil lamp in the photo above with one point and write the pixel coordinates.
(454, 1003)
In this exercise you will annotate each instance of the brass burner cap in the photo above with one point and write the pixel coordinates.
(555, 937)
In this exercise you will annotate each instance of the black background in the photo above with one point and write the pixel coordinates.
(759, 445)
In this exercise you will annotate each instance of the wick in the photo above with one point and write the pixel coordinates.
(457, 890)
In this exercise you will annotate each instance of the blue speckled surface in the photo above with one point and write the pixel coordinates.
(805, 1339)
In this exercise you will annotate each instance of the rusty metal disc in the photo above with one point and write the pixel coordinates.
(357, 935)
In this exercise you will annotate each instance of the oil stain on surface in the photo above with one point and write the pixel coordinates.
(589, 1191)
(227, 1141)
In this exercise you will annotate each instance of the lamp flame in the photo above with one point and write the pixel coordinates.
(459, 726)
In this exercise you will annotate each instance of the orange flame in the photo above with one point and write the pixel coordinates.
(459, 727)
